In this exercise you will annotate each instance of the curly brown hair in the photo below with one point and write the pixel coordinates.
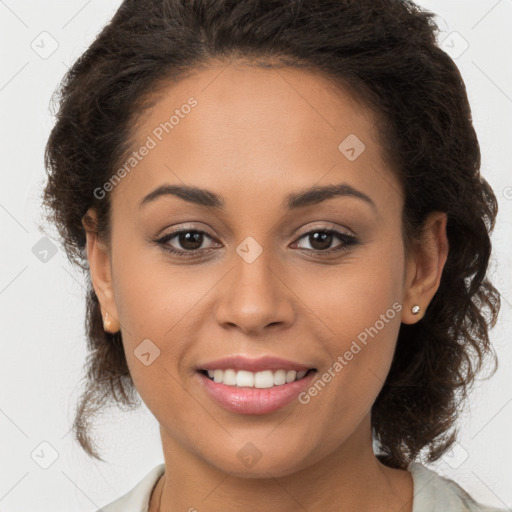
(385, 53)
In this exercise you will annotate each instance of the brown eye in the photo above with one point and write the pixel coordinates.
(188, 241)
(321, 240)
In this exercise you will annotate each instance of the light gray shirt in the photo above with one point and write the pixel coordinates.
(432, 493)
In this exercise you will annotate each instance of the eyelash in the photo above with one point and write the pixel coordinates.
(347, 240)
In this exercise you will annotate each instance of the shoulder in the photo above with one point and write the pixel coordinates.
(435, 493)
(137, 500)
(432, 493)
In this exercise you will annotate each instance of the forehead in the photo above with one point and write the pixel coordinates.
(239, 129)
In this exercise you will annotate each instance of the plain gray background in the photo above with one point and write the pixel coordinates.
(42, 306)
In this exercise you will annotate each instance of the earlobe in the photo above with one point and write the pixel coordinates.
(101, 272)
(424, 277)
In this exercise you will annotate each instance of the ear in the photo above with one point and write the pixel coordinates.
(425, 266)
(101, 272)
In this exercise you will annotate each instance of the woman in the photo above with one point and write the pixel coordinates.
(286, 236)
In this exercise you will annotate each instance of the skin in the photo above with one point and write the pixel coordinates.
(256, 136)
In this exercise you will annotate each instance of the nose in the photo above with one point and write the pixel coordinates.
(255, 296)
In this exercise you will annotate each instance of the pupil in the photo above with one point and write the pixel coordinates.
(322, 240)
(191, 237)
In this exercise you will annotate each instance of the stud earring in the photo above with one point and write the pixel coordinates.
(107, 324)
(415, 309)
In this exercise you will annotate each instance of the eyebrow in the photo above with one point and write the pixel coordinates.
(294, 201)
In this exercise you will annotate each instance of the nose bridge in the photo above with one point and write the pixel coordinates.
(254, 295)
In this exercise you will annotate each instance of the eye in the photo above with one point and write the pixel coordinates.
(321, 240)
(190, 242)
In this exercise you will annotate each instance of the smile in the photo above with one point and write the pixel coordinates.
(260, 380)
(254, 393)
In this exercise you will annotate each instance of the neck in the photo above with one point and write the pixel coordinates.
(349, 479)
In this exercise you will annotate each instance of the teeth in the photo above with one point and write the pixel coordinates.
(264, 379)
(229, 377)
(279, 377)
(244, 379)
(291, 375)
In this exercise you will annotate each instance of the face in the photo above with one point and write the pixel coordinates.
(261, 270)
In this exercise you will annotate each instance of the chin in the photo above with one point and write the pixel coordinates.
(269, 461)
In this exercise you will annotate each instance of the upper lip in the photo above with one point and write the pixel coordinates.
(254, 365)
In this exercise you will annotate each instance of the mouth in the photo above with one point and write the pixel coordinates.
(242, 391)
(246, 385)
(261, 380)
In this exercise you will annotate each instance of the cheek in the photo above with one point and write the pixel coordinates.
(358, 308)
(351, 296)
(151, 293)
(159, 306)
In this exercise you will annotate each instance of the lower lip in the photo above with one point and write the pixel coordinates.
(254, 400)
